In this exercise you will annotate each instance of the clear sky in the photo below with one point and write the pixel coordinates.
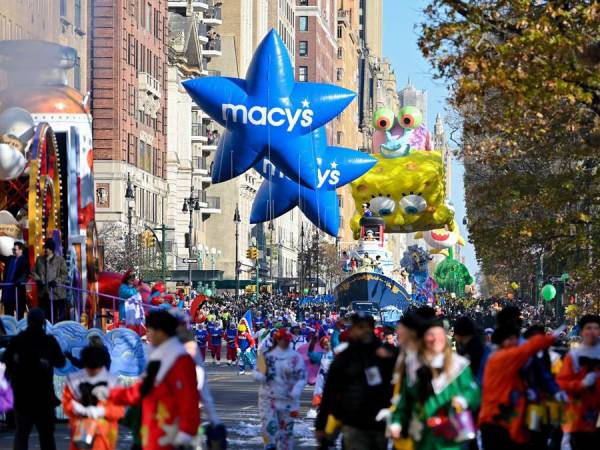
(400, 33)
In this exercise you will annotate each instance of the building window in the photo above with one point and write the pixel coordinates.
(338, 138)
(339, 74)
(77, 74)
(340, 201)
(340, 32)
(303, 48)
(63, 8)
(302, 73)
(156, 24)
(303, 24)
(340, 52)
(77, 14)
(149, 17)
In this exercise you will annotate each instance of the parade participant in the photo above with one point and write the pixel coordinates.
(201, 335)
(94, 422)
(438, 386)
(49, 272)
(244, 345)
(30, 360)
(366, 212)
(503, 405)
(580, 378)
(127, 290)
(357, 388)
(7, 399)
(215, 431)
(282, 376)
(366, 262)
(469, 345)
(229, 336)
(297, 338)
(324, 360)
(167, 391)
(215, 334)
(15, 274)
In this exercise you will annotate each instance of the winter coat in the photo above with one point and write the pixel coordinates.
(76, 388)
(172, 403)
(347, 394)
(413, 409)
(51, 269)
(504, 399)
(30, 361)
(584, 403)
(18, 276)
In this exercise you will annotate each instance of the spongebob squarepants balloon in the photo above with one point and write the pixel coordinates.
(406, 187)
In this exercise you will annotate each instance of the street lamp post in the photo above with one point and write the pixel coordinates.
(130, 199)
(271, 228)
(191, 204)
(237, 219)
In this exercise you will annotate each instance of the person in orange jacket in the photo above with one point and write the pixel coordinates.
(503, 403)
(91, 417)
(167, 391)
(580, 378)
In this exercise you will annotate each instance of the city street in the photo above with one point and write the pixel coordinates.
(236, 400)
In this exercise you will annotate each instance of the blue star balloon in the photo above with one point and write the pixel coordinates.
(267, 114)
(336, 167)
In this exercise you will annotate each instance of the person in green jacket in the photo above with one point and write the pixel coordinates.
(437, 391)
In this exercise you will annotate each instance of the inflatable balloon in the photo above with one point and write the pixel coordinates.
(442, 238)
(548, 292)
(408, 192)
(336, 167)
(452, 275)
(16, 132)
(395, 136)
(514, 285)
(267, 115)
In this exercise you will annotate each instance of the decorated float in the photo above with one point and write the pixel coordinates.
(46, 163)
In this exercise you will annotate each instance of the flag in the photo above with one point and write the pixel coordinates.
(247, 320)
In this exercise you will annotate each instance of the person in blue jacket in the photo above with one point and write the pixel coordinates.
(201, 335)
(216, 340)
(126, 290)
(230, 335)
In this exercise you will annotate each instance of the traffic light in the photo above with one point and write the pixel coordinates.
(252, 253)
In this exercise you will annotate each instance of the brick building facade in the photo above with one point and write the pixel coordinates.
(128, 58)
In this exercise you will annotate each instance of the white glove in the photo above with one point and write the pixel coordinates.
(459, 402)
(239, 351)
(78, 408)
(182, 439)
(561, 396)
(558, 332)
(589, 380)
(100, 392)
(382, 415)
(95, 412)
(2, 370)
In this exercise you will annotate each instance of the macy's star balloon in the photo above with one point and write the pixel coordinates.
(336, 166)
(267, 114)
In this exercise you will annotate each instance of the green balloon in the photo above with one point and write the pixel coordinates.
(208, 292)
(564, 277)
(548, 292)
(305, 290)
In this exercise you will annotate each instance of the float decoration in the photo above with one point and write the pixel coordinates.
(267, 115)
(336, 167)
(415, 261)
(548, 292)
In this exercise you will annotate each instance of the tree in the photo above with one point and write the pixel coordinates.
(525, 82)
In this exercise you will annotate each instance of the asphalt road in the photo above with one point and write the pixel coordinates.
(236, 401)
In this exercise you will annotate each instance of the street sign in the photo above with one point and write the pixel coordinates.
(190, 261)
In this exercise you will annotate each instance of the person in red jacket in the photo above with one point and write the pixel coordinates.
(167, 391)
(580, 378)
(503, 403)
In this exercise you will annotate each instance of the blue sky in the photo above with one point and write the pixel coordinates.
(400, 33)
